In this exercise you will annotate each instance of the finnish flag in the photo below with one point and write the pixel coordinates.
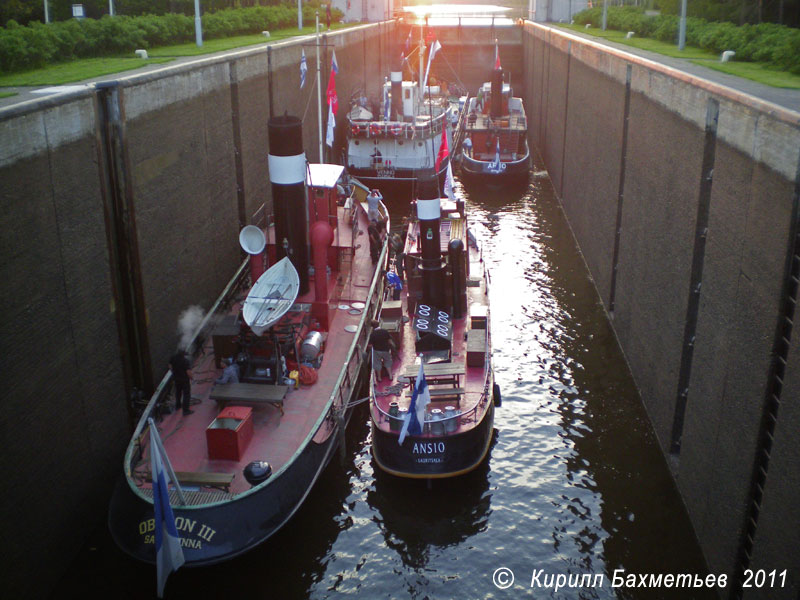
(169, 554)
(416, 412)
(303, 69)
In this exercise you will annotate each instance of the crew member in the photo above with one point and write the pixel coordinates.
(382, 346)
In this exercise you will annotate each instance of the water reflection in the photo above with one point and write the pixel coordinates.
(415, 516)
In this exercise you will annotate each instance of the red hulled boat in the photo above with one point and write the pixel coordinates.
(251, 451)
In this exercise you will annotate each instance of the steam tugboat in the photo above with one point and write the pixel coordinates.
(250, 451)
(433, 417)
(497, 128)
(398, 140)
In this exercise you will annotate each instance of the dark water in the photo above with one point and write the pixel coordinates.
(575, 483)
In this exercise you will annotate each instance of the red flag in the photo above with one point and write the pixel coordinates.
(496, 57)
(443, 150)
(333, 99)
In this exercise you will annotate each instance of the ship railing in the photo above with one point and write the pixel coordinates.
(466, 416)
(342, 390)
(397, 129)
(135, 451)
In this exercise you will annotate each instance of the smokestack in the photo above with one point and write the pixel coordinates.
(497, 93)
(287, 173)
(397, 95)
(429, 214)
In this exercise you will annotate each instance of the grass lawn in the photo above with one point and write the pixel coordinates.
(89, 68)
(758, 72)
(7, 94)
(219, 45)
(76, 70)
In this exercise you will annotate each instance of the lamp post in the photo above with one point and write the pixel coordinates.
(46, 12)
(605, 13)
(300, 14)
(198, 24)
(682, 27)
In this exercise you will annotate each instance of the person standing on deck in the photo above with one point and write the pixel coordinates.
(397, 248)
(468, 146)
(182, 376)
(373, 203)
(382, 346)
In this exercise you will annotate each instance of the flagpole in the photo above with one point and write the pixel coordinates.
(319, 95)
(165, 460)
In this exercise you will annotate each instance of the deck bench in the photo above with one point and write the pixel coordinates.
(221, 481)
(250, 393)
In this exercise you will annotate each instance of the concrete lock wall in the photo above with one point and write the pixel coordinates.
(683, 198)
(122, 207)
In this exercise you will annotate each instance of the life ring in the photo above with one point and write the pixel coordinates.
(374, 129)
(355, 130)
(396, 129)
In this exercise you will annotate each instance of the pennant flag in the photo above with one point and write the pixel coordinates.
(408, 41)
(448, 182)
(444, 151)
(331, 125)
(333, 99)
(169, 554)
(416, 411)
(303, 69)
(434, 49)
(496, 55)
(386, 104)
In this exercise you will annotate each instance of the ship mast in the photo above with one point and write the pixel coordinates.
(319, 98)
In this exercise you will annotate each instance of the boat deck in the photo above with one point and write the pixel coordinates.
(461, 382)
(277, 434)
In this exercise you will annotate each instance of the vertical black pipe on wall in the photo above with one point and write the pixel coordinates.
(772, 402)
(566, 117)
(236, 125)
(612, 297)
(122, 237)
(269, 79)
(696, 278)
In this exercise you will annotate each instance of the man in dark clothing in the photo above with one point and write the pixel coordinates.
(182, 376)
(382, 345)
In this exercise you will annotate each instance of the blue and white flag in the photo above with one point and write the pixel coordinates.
(448, 182)
(169, 554)
(420, 399)
(303, 68)
(435, 47)
(386, 104)
(331, 125)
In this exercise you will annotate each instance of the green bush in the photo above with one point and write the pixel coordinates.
(776, 45)
(36, 45)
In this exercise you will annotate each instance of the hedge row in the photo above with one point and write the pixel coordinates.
(37, 45)
(774, 44)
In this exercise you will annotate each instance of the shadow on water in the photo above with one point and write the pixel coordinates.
(445, 512)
